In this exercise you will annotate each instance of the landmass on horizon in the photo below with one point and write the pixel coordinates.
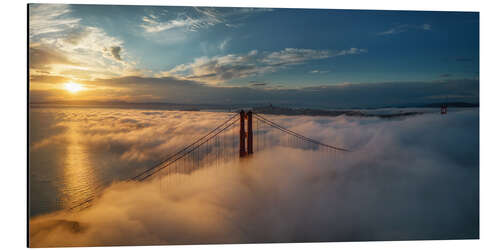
(399, 111)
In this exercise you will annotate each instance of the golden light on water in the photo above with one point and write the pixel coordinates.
(73, 87)
(79, 177)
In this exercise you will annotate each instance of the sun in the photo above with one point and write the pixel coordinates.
(73, 87)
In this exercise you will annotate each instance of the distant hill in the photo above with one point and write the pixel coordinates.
(453, 104)
(318, 112)
(268, 109)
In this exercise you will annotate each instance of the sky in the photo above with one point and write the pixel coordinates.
(251, 55)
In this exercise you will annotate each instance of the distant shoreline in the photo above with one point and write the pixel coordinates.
(247, 105)
(391, 112)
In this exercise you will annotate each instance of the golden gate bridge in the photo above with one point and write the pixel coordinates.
(230, 141)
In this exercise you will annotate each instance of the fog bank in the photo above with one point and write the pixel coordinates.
(412, 178)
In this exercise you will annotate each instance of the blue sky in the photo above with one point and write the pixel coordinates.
(251, 48)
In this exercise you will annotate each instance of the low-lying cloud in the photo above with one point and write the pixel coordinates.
(136, 135)
(412, 178)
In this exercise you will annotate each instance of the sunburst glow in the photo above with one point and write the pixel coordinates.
(73, 87)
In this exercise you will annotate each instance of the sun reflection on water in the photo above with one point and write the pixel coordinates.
(79, 177)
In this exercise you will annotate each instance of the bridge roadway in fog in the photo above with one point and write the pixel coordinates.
(226, 142)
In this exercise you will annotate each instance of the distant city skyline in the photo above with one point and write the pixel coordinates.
(252, 55)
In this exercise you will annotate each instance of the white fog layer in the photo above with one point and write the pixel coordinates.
(411, 178)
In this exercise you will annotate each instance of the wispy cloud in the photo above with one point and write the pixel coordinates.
(220, 69)
(61, 45)
(151, 25)
(403, 28)
(169, 29)
(294, 56)
(316, 71)
(426, 26)
(50, 18)
(200, 18)
(223, 45)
